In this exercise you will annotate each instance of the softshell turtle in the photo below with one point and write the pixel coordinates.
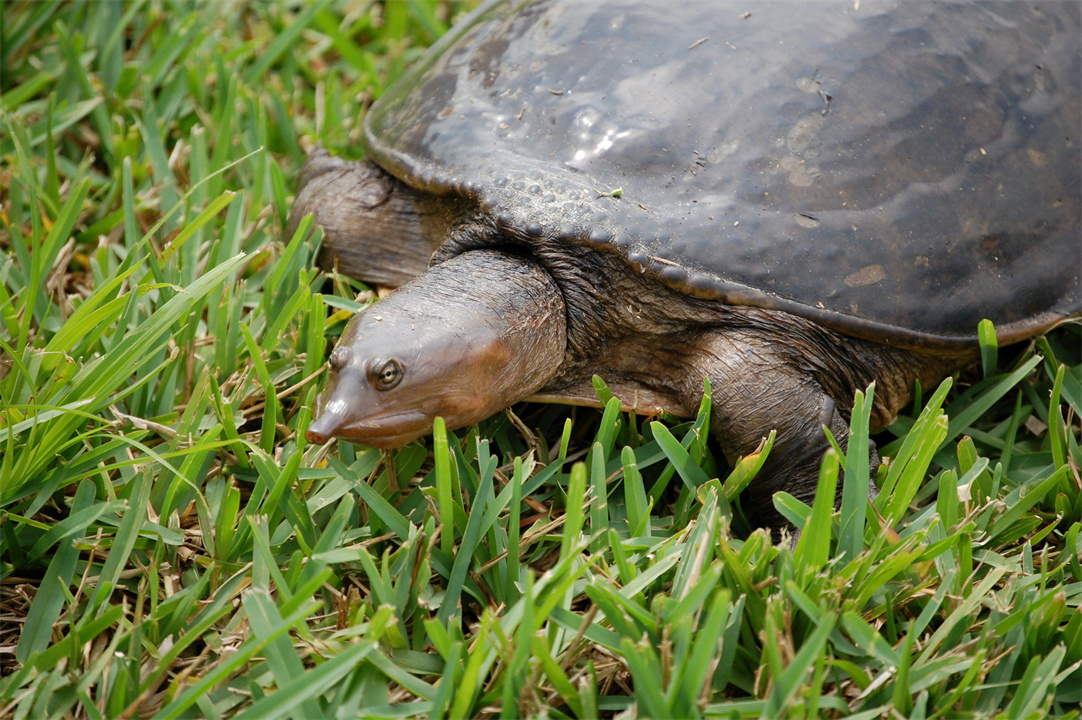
(792, 202)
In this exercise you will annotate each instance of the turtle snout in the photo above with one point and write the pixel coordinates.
(326, 426)
(320, 431)
(332, 413)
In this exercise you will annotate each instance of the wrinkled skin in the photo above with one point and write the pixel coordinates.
(360, 207)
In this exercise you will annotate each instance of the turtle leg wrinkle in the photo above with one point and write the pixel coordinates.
(797, 380)
(375, 227)
(755, 392)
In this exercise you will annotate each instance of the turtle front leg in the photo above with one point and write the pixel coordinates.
(376, 228)
(758, 385)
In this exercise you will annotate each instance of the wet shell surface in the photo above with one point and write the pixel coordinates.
(895, 171)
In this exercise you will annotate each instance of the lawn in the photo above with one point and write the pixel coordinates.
(174, 548)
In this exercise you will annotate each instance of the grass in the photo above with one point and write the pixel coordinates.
(172, 547)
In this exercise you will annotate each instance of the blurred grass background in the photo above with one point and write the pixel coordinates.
(173, 548)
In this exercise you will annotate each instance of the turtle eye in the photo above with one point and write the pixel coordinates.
(386, 375)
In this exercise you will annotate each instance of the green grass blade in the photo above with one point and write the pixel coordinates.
(855, 485)
(37, 631)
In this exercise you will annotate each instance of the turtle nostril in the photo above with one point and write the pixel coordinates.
(324, 427)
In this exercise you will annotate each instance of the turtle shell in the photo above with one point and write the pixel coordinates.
(895, 171)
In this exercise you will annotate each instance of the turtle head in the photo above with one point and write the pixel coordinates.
(392, 373)
(463, 341)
